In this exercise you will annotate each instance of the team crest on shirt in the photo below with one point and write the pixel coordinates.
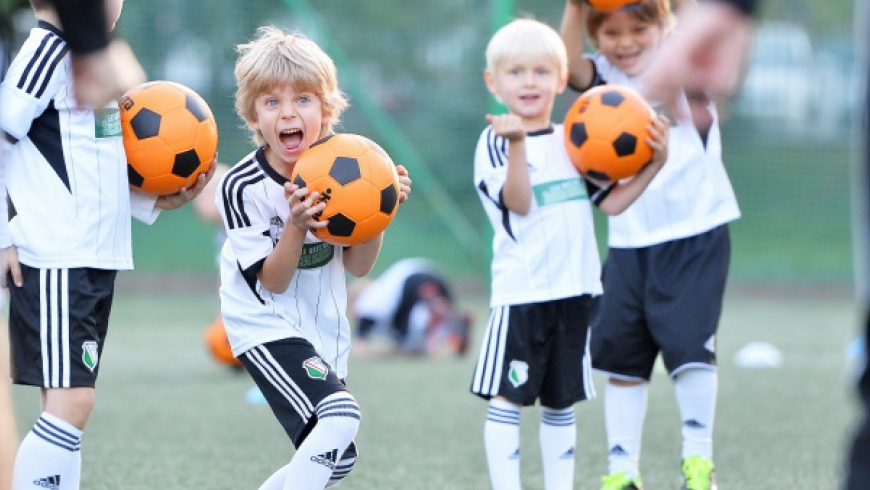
(90, 354)
(107, 123)
(315, 368)
(519, 373)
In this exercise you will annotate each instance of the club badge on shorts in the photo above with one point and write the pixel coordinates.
(315, 367)
(90, 354)
(519, 373)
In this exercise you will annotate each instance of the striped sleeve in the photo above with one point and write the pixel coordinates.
(490, 165)
(33, 79)
(246, 226)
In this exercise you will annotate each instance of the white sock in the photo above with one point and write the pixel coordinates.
(624, 413)
(73, 478)
(696, 396)
(317, 456)
(47, 454)
(501, 437)
(558, 436)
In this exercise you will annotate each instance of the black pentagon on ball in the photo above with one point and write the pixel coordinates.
(340, 225)
(625, 144)
(345, 170)
(578, 134)
(389, 199)
(145, 124)
(598, 175)
(195, 105)
(612, 99)
(185, 163)
(134, 177)
(300, 181)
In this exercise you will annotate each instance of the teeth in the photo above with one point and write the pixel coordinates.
(289, 132)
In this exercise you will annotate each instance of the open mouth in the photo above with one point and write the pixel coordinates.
(291, 139)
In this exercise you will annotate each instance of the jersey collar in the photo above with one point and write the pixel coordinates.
(49, 27)
(271, 172)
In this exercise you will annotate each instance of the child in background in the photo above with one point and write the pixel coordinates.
(545, 265)
(287, 324)
(66, 174)
(412, 304)
(664, 277)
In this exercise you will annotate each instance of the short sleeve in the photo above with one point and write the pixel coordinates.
(33, 78)
(490, 165)
(246, 227)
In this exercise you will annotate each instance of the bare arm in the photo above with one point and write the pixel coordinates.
(281, 264)
(626, 192)
(359, 259)
(517, 191)
(572, 30)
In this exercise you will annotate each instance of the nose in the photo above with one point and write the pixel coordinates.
(288, 111)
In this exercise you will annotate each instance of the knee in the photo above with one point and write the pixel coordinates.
(73, 405)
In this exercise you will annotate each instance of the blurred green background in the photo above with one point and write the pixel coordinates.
(414, 74)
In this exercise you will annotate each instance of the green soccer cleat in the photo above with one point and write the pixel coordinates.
(698, 474)
(620, 481)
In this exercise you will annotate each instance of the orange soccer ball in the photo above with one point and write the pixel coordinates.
(606, 132)
(170, 136)
(357, 180)
(613, 4)
(218, 345)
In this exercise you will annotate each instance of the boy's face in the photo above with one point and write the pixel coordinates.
(628, 43)
(289, 122)
(528, 86)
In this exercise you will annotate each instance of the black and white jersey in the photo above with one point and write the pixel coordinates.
(551, 253)
(66, 171)
(251, 201)
(690, 195)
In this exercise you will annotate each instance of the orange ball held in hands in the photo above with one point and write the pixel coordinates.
(357, 180)
(606, 132)
(170, 136)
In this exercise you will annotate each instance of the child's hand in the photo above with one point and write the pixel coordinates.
(404, 183)
(9, 264)
(185, 194)
(305, 207)
(659, 132)
(508, 126)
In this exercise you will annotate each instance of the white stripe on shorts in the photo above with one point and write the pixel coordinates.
(263, 360)
(54, 327)
(487, 374)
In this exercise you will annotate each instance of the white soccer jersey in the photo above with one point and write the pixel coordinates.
(550, 253)
(66, 171)
(691, 194)
(254, 210)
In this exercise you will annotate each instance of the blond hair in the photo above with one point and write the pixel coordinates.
(650, 11)
(526, 37)
(275, 58)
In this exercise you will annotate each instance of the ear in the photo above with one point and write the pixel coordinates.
(491, 85)
(562, 84)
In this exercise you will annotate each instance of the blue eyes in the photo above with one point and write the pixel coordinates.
(302, 99)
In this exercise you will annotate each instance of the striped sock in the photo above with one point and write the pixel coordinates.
(48, 455)
(501, 435)
(558, 437)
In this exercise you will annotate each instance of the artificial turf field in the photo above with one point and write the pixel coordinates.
(167, 417)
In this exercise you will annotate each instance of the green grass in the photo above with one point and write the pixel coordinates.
(167, 417)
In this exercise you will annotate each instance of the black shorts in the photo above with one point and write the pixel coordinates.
(294, 379)
(57, 325)
(665, 298)
(537, 351)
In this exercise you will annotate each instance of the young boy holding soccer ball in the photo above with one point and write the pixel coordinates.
(286, 322)
(66, 174)
(545, 266)
(664, 277)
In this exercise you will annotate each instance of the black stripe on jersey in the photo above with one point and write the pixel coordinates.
(505, 212)
(497, 148)
(238, 178)
(45, 135)
(48, 55)
(250, 276)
